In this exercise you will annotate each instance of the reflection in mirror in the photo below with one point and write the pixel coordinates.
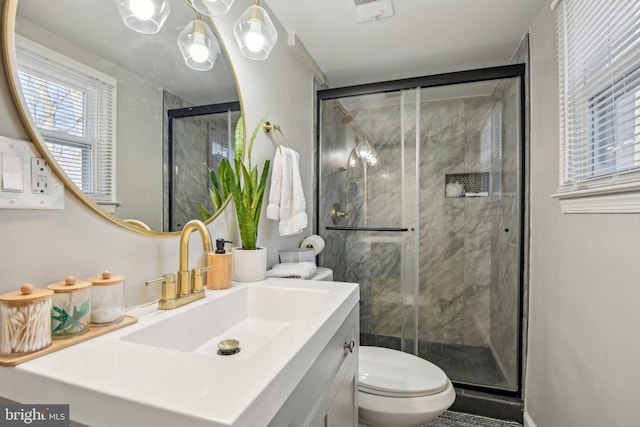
(103, 97)
(188, 158)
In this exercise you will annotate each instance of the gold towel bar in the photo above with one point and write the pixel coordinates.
(268, 127)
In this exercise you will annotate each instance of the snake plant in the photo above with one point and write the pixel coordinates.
(241, 181)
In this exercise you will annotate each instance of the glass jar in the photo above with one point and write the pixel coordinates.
(25, 320)
(107, 298)
(71, 311)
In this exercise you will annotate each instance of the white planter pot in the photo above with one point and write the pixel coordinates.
(249, 265)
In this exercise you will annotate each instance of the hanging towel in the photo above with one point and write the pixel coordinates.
(293, 270)
(287, 183)
(273, 208)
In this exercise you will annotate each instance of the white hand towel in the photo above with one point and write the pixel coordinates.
(273, 208)
(293, 270)
(293, 215)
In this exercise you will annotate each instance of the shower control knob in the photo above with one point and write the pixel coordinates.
(350, 346)
(337, 214)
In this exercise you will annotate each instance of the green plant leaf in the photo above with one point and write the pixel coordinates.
(216, 197)
(239, 139)
(204, 213)
(253, 138)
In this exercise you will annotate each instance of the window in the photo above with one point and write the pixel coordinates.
(73, 107)
(598, 54)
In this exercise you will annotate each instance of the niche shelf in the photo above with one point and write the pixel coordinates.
(475, 184)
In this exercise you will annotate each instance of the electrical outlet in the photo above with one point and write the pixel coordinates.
(40, 176)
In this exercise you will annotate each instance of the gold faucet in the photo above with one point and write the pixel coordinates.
(189, 286)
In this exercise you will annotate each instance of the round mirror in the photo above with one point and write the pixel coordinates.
(131, 122)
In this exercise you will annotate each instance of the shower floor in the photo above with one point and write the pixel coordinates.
(463, 364)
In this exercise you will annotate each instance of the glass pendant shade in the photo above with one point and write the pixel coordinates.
(198, 46)
(144, 16)
(255, 33)
(364, 150)
(212, 7)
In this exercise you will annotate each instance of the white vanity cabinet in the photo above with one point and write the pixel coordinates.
(328, 394)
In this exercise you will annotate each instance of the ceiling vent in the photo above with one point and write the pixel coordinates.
(371, 10)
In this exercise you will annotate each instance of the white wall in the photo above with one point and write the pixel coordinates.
(41, 247)
(582, 366)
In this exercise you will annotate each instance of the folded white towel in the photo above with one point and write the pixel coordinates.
(293, 270)
(286, 194)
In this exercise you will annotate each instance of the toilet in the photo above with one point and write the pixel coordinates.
(397, 389)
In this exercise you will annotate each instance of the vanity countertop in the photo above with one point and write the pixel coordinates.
(118, 379)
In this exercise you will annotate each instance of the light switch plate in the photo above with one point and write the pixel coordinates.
(11, 167)
(41, 189)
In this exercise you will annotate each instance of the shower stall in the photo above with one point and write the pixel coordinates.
(421, 201)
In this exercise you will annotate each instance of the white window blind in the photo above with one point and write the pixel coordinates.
(598, 57)
(73, 107)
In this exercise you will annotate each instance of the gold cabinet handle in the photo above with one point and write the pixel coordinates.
(350, 346)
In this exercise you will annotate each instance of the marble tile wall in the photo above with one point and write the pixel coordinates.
(190, 146)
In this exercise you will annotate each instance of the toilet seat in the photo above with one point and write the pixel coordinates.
(387, 372)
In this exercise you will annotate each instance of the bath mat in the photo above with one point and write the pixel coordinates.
(458, 419)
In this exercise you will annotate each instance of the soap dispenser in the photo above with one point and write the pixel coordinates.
(219, 277)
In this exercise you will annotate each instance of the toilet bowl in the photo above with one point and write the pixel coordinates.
(397, 389)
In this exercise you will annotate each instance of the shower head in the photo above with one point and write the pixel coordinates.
(348, 118)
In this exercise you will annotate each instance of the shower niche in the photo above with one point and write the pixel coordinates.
(434, 229)
(467, 184)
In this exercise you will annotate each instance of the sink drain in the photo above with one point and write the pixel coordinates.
(228, 347)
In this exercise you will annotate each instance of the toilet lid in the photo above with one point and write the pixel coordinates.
(387, 372)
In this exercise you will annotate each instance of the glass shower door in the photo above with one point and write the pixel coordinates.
(368, 195)
(469, 250)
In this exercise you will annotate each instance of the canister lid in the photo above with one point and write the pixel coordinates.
(26, 295)
(106, 279)
(69, 284)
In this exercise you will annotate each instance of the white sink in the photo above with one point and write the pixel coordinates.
(252, 315)
(165, 370)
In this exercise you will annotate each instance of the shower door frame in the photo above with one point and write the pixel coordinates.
(446, 79)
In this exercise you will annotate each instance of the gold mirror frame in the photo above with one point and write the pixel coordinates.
(11, 69)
